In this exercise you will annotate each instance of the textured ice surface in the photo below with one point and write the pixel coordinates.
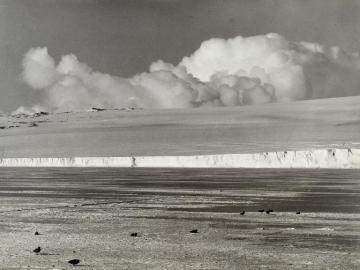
(93, 211)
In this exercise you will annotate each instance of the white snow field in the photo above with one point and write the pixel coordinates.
(317, 133)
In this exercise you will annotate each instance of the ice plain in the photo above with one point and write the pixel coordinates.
(90, 213)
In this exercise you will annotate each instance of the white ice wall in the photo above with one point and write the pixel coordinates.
(318, 158)
(67, 162)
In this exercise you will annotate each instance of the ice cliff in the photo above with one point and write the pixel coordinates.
(317, 158)
(66, 162)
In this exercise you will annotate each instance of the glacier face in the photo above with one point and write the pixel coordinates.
(316, 158)
(66, 162)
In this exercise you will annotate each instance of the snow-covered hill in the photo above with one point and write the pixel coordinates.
(193, 136)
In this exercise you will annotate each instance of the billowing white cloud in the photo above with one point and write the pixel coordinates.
(233, 72)
(39, 68)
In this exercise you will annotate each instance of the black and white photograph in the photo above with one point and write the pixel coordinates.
(179, 134)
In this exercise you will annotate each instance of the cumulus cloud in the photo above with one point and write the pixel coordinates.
(233, 72)
(39, 68)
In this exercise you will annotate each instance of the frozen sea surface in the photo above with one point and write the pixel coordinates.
(90, 213)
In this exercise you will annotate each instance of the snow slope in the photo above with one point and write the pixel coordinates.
(320, 158)
(314, 124)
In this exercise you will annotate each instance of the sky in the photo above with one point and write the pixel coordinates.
(123, 37)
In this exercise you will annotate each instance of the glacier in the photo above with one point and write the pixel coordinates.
(315, 158)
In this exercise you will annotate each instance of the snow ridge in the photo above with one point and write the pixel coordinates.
(316, 158)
